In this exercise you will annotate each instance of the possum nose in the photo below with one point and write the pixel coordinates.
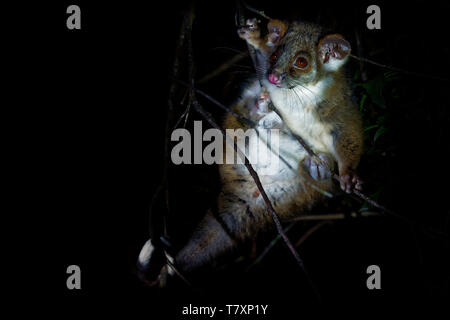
(277, 78)
(274, 78)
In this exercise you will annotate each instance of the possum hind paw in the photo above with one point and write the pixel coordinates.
(317, 170)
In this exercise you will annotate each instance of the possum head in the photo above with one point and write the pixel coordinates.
(306, 55)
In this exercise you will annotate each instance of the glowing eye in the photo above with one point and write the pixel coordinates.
(301, 62)
(273, 58)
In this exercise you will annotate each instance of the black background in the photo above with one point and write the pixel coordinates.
(90, 110)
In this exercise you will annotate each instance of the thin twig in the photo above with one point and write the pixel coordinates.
(362, 67)
(169, 120)
(239, 19)
(225, 66)
(259, 12)
(269, 247)
(185, 30)
(336, 216)
(310, 232)
(184, 116)
(324, 217)
(178, 273)
(416, 74)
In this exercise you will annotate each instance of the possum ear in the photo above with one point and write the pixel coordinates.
(333, 51)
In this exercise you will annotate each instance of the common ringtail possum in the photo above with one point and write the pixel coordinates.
(300, 69)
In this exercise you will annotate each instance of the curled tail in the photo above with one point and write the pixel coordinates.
(151, 263)
(214, 236)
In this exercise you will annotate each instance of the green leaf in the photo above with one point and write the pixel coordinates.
(391, 76)
(379, 132)
(381, 119)
(374, 88)
(361, 104)
(370, 127)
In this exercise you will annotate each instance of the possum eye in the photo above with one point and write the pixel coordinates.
(301, 62)
(273, 58)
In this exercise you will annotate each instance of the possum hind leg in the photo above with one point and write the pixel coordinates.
(220, 233)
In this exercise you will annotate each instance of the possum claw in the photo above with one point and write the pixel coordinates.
(350, 181)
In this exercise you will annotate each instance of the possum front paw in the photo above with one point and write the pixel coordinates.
(319, 169)
(349, 180)
(250, 32)
(276, 30)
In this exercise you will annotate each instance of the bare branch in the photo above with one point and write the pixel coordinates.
(336, 216)
(310, 232)
(259, 12)
(416, 74)
(185, 31)
(326, 218)
(362, 67)
(225, 66)
(269, 247)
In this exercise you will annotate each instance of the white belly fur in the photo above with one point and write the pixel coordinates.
(296, 106)
(270, 168)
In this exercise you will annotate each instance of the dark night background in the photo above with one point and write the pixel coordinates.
(96, 108)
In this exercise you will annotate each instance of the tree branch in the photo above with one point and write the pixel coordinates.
(225, 66)
(416, 74)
